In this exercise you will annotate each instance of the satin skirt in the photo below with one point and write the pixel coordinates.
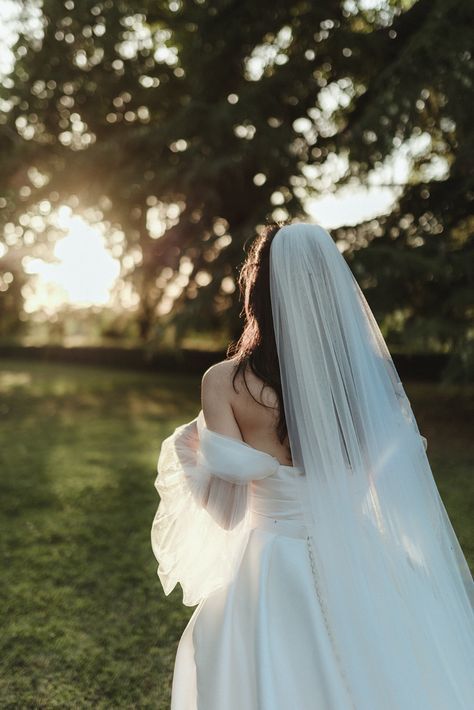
(261, 643)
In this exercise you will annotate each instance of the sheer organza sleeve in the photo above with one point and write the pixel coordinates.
(202, 522)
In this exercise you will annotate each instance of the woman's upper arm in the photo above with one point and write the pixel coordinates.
(216, 401)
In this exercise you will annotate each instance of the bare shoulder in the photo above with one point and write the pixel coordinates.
(216, 399)
(220, 374)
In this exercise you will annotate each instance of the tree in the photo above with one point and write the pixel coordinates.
(217, 116)
(416, 263)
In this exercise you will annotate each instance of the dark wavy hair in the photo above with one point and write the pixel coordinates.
(256, 347)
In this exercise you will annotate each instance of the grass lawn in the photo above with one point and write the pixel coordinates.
(85, 623)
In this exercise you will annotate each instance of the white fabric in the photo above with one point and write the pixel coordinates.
(395, 587)
(260, 644)
(202, 522)
(257, 642)
(337, 584)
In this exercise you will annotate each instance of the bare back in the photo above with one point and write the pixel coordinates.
(257, 422)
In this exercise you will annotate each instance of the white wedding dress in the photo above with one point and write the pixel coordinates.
(257, 642)
(338, 584)
(257, 639)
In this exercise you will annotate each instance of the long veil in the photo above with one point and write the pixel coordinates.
(394, 586)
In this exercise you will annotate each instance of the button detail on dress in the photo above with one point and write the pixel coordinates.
(310, 544)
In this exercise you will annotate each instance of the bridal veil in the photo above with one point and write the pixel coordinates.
(394, 585)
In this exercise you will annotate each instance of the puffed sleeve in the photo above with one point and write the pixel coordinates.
(202, 522)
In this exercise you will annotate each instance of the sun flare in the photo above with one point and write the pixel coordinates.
(83, 273)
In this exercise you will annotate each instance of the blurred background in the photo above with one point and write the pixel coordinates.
(142, 145)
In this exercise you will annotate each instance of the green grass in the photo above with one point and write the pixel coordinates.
(84, 621)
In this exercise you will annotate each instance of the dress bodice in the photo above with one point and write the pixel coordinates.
(273, 487)
(277, 496)
(214, 489)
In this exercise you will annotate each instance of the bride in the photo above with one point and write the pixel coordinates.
(299, 513)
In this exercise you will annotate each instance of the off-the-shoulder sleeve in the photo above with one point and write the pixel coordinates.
(202, 523)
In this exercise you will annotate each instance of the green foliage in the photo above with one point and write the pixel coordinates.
(420, 260)
(233, 113)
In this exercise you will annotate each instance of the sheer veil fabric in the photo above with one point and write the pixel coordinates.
(390, 575)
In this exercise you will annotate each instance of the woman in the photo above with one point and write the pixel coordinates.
(299, 512)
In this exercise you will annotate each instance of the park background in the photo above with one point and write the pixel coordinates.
(142, 146)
